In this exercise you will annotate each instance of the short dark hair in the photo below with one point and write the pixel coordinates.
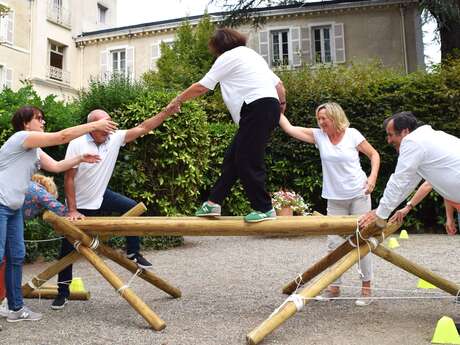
(24, 115)
(225, 39)
(401, 121)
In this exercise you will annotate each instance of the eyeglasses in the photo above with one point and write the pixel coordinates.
(39, 118)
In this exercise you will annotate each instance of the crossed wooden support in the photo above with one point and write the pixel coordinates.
(328, 269)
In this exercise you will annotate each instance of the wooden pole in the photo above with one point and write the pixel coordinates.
(52, 293)
(64, 226)
(69, 259)
(288, 309)
(220, 226)
(327, 261)
(417, 270)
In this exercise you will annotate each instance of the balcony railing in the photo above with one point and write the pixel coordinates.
(58, 14)
(58, 74)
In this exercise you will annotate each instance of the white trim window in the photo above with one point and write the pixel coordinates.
(6, 77)
(7, 28)
(156, 51)
(57, 62)
(279, 42)
(118, 58)
(117, 61)
(102, 12)
(322, 44)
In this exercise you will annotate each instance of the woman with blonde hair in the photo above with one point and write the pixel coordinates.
(345, 185)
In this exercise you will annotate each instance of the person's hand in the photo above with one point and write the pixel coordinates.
(369, 218)
(370, 185)
(451, 229)
(90, 158)
(399, 215)
(105, 125)
(172, 108)
(74, 215)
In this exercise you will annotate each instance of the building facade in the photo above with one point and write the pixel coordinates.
(37, 42)
(72, 49)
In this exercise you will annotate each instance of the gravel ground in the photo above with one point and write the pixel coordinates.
(231, 284)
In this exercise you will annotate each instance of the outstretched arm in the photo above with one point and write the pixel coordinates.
(374, 157)
(193, 91)
(51, 165)
(300, 133)
(419, 195)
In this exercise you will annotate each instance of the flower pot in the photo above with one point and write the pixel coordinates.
(285, 211)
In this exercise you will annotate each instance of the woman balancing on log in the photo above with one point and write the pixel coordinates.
(20, 157)
(255, 96)
(345, 185)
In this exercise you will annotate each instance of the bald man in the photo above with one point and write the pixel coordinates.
(86, 189)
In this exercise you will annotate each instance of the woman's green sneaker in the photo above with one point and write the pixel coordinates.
(208, 210)
(257, 216)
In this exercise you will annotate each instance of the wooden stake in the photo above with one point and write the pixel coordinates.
(74, 234)
(52, 293)
(289, 308)
(417, 270)
(218, 226)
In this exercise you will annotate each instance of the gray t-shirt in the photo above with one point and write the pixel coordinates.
(17, 165)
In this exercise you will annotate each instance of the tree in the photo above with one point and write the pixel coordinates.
(3, 10)
(445, 12)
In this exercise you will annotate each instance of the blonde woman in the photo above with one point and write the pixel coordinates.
(346, 187)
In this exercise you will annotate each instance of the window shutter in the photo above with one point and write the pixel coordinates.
(339, 40)
(155, 54)
(9, 78)
(295, 44)
(104, 68)
(9, 27)
(305, 45)
(130, 63)
(264, 45)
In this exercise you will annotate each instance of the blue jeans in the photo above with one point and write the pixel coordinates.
(12, 246)
(111, 203)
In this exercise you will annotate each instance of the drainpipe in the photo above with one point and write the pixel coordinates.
(403, 33)
(82, 65)
(31, 32)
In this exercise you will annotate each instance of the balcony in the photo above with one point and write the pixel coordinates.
(58, 74)
(58, 14)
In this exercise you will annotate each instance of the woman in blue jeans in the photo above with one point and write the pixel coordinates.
(20, 157)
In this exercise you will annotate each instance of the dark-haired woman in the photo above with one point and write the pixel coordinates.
(255, 96)
(20, 158)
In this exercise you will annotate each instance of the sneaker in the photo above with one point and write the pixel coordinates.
(207, 210)
(257, 216)
(59, 303)
(23, 314)
(139, 260)
(4, 309)
(364, 301)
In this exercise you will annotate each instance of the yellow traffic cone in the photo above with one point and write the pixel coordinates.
(403, 235)
(422, 284)
(77, 285)
(392, 243)
(446, 332)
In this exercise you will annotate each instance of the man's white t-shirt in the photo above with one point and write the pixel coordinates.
(343, 176)
(244, 76)
(91, 180)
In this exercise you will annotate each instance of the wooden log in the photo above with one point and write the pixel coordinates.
(64, 226)
(417, 270)
(51, 293)
(327, 261)
(289, 308)
(69, 259)
(219, 226)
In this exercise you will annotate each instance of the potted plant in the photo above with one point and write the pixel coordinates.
(287, 203)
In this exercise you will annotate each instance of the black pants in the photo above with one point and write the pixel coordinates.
(111, 203)
(244, 159)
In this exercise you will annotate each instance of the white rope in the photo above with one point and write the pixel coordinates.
(77, 245)
(48, 240)
(294, 298)
(128, 284)
(94, 243)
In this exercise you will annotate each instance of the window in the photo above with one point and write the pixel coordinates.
(59, 13)
(280, 48)
(102, 13)
(57, 62)
(322, 44)
(6, 77)
(6, 28)
(119, 62)
(157, 51)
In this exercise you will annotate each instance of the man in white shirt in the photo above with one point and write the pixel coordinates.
(423, 154)
(86, 189)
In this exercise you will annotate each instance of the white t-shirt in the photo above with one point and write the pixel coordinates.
(244, 76)
(424, 154)
(91, 180)
(343, 177)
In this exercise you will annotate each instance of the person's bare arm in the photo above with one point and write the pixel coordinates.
(51, 165)
(69, 189)
(300, 133)
(374, 157)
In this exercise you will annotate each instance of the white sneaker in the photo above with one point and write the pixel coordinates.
(23, 314)
(364, 301)
(4, 308)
